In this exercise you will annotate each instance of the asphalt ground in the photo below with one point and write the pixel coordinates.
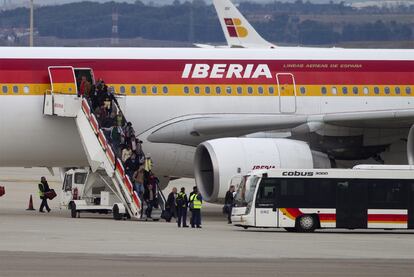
(34, 244)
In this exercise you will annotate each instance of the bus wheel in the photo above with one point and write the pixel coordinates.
(306, 223)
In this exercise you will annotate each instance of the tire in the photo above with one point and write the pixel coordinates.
(306, 223)
(73, 211)
(115, 213)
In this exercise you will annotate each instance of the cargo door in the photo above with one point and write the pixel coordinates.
(287, 92)
(62, 79)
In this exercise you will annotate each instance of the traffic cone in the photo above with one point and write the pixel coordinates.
(30, 208)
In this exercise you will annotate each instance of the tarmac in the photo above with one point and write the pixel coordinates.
(34, 244)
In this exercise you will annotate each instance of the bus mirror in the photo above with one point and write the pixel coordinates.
(264, 175)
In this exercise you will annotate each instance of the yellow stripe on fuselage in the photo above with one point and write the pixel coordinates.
(224, 90)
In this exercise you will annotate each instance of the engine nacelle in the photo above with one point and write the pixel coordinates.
(218, 160)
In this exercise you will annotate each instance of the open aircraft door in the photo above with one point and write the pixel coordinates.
(287, 92)
(62, 79)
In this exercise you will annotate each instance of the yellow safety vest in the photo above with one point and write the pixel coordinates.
(148, 164)
(196, 202)
(41, 193)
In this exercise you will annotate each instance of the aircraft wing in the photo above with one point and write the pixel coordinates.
(194, 130)
(390, 119)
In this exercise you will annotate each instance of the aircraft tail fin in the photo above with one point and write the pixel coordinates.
(237, 30)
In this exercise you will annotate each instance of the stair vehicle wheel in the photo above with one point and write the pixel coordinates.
(306, 223)
(73, 211)
(115, 213)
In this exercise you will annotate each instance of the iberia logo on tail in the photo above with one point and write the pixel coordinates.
(235, 28)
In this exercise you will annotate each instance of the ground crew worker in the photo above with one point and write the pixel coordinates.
(195, 203)
(43, 188)
(182, 203)
(190, 206)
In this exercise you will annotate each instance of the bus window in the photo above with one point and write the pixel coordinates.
(292, 193)
(388, 194)
(67, 184)
(267, 191)
(80, 178)
(245, 191)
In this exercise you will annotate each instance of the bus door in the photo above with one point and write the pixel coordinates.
(411, 207)
(351, 205)
(265, 214)
(287, 92)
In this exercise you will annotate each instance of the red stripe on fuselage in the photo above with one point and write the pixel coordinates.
(28, 71)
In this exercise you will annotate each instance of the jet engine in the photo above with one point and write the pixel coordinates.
(218, 160)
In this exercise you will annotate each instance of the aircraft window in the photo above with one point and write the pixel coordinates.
(260, 90)
(186, 90)
(376, 90)
(408, 90)
(133, 89)
(344, 90)
(355, 90)
(334, 91)
(143, 90)
(5, 89)
(366, 90)
(228, 90)
(154, 90)
(302, 90)
(397, 90)
(323, 90)
(271, 90)
(207, 90)
(15, 89)
(218, 90)
(122, 89)
(165, 89)
(197, 90)
(250, 90)
(387, 90)
(239, 90)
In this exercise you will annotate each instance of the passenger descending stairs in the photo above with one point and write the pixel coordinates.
(98, 151)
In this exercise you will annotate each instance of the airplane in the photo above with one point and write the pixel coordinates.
(238, 31)
(206, 113)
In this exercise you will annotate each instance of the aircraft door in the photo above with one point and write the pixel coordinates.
(287, 92)
(62, 79)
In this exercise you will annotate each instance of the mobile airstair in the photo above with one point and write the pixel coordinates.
(62, 101)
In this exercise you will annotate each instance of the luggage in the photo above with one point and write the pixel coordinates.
(50, 194)
(166, 214)
(2, 191)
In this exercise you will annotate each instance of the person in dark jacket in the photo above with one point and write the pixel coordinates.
(171, 204)
(182, 204)
(150, 199)
(229, 202)
(43, 188)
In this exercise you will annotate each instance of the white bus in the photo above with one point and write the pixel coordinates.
(307, 199)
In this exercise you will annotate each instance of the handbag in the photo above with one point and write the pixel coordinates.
(50, 194)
